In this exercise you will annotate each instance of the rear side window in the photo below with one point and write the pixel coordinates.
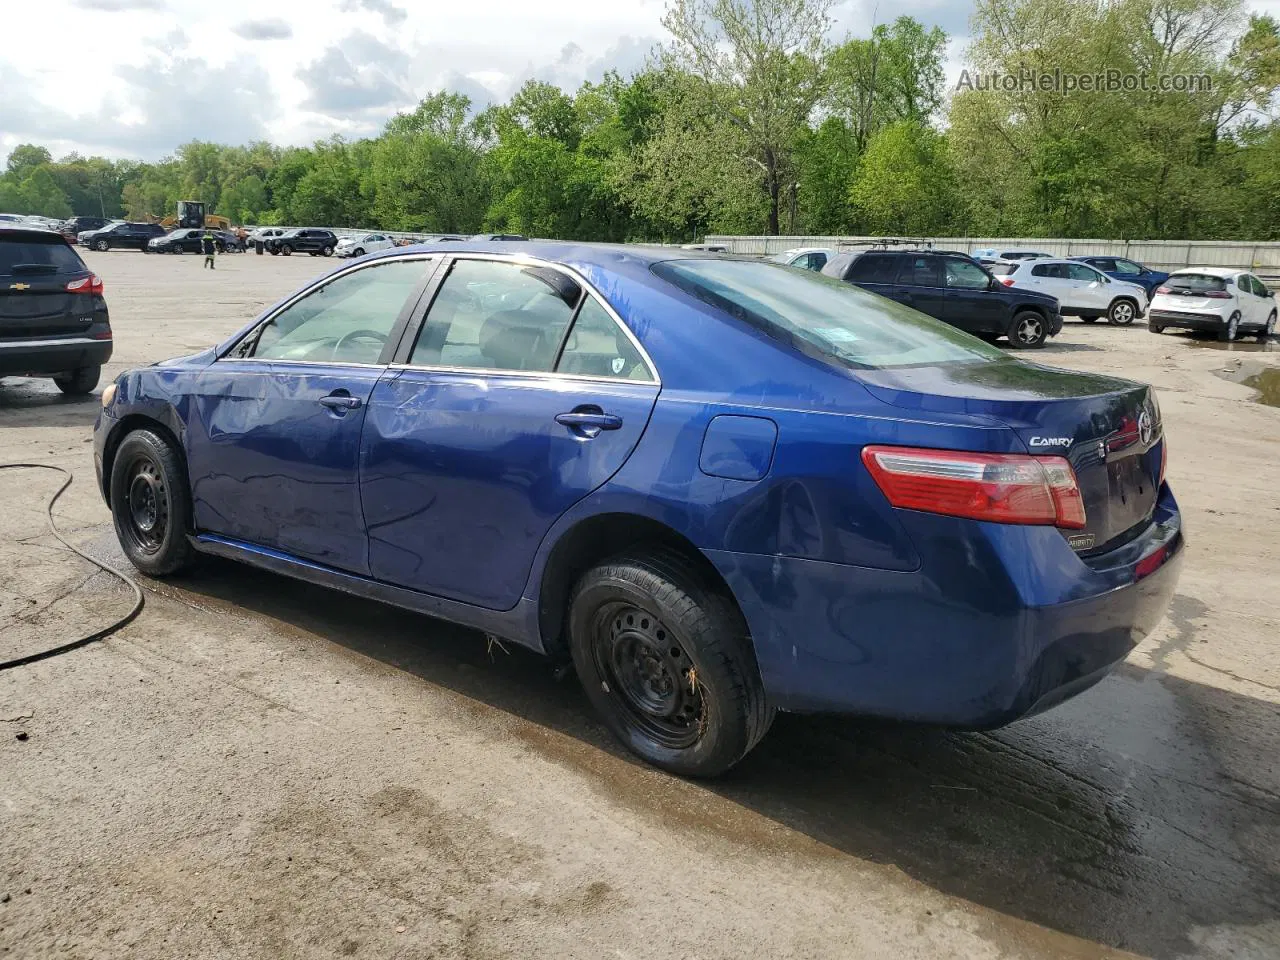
(837, 265)
(874, 268)
(37, 255)
(920, 271)
(823, 317)
(597, 347)
(1055, 270)
(1195, 283)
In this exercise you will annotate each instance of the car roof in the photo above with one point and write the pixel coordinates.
(10, 230)
(1210, 271)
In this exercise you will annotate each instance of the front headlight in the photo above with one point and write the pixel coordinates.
(108, 395)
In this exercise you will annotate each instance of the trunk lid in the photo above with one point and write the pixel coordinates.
(35, 267)
(1109, 429)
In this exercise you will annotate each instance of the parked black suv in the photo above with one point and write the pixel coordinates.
(130, 236)
(955, 288)
(309, 240)
(77, 225)
(53, 318)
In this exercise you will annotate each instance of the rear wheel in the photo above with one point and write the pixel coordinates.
(78, 382)
(1270, 329)
(1028, 330)
(328, 250)
(150, 504)
(1228, 333)
(1155, 327)
(666, 660)
(1121, 312)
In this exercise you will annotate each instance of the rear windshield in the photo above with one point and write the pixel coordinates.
(822, 316)
(1195, 283)
(29, 255)
(1002, 269)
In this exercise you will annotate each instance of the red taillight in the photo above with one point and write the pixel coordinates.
(1002, 488)
(1007, 281)
(1163, 290)
(90, 284)
(1217, 294)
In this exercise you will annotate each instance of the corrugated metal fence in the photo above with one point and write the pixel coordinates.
(1261, 258)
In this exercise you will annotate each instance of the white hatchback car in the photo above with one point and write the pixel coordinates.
(1081, 290)
(1216, 299)
(359, 244)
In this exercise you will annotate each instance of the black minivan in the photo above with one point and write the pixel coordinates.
(955, 288)
(53, 317)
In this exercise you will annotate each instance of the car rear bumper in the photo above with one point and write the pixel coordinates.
(1190, 321)
(50, 355)
(995, 625)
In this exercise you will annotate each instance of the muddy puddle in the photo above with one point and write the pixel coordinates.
(1248, 346)
(1263, 377)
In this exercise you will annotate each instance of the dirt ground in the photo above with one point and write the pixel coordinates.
(258, 768)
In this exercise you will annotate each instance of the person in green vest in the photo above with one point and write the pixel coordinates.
(208, 247)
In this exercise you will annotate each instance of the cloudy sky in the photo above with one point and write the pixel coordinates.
(138, 77)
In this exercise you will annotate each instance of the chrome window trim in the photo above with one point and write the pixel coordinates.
(578, 278)
(307, 363)
(306, 292)
(540, 374)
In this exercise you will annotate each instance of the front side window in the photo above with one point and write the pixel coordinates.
(1127, 267)
(1078, 271)
(820, 316)
(965, 275)
(496, 315)
(598, 347)
(348, 320)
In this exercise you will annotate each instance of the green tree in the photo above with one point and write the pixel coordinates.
(759, 65)
(905, 183)
(25, 158)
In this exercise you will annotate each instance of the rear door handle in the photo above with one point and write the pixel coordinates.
(337, 401)
(598, 421)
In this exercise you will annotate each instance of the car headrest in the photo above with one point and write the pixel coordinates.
(513, 340)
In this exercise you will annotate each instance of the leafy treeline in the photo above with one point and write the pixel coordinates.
(752, 120)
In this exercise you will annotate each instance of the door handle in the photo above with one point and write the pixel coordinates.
(586, 421)
(337, 401)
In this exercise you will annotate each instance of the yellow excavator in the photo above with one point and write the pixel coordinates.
(191, 214)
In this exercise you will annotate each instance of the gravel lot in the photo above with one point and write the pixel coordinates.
(258, 768)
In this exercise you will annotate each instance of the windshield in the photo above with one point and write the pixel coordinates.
(817, 314)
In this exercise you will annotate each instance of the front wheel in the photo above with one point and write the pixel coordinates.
(150, 504)
(102, 246)
(1228, 333)
(286, 250)
(359, 252)
(79, 382)
(1122, 312)
(666, 660)
(274, 251)
(327, 251)
(1028, 331)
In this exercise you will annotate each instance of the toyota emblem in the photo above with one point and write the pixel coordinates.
(1145, 428)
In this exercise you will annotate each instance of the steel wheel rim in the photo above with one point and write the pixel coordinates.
(146, 513)
(1028, 330)
(652, 678)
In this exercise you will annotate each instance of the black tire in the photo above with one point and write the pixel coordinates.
(286, 250)
(1121, 312)
(102, 246)
(1232, 330)
(648, 628)
(77, 383)
(1089, 319)
(151, 504)
(359, 252)
(274, 251)
(328, 250)
(1269, 331)
(1155, 327)
(1028, 330)
(220, 247)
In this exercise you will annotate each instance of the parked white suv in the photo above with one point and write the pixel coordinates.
(990, 255)
(806, 258)
(1217, 299)
(359, 244)
(1081, 290)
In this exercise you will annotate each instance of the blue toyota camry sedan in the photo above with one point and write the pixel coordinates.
(723, 488)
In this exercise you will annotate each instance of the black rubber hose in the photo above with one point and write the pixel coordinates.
(138, 601)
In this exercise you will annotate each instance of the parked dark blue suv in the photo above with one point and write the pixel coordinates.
(955, 288)
(1130, 271)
